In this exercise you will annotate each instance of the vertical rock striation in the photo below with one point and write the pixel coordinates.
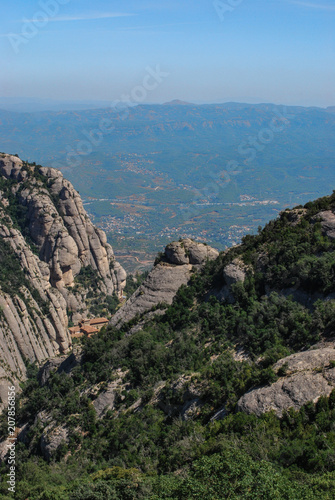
(44, 226)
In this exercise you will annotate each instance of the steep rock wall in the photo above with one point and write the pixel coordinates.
(44, 226)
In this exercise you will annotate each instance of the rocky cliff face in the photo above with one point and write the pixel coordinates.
(179, 261)
(60, 228)
(44, 226)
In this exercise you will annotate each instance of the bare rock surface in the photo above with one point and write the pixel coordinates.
(308, 376)
(105, 400)
(160, 286)
(327, 223)
(61, 229)
(188, 251)
(61, 364)
(52, 438)
(234, 272)
(307, 360)
(165, 279)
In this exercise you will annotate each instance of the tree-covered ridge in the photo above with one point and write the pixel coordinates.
(239, 457)
(149, 445)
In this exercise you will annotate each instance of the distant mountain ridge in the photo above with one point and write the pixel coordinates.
(177, 102)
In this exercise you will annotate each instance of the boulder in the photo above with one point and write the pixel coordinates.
(306, 360)
(165, 279)
(234, 272)
(327, 223)
(308, 376)
(175, 253)
(188, 251)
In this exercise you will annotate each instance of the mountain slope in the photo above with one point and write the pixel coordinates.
(154, 411)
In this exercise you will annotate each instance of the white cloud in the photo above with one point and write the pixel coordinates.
(313, 5)
(87, 17)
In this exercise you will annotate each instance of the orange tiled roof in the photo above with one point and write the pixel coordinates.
(74, 329)
(84, 322)
(98, 321)
(87, 329)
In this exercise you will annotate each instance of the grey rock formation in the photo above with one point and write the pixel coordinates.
(160, 286)
(307, 360)
(233, 273)
(165, 279)
(52, 438)
(309, 375)
(26, 332)
(62, 230)
(62, 364)
(188, 251)
(327, 223)
(105, 400)
(66, 241)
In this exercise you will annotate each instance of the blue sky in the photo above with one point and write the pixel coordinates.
(280, 51)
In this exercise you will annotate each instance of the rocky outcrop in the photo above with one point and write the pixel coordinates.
(327, 219)
(52, 438)
(163, 282)
(308, 376)
(307, 360)
(43, 222)
(61, 364)
(188, 251)
(105, 400)
(234, 272)
(26, 331)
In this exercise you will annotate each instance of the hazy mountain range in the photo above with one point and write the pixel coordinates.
(149, 173)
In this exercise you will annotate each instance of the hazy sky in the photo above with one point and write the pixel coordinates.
(280, 51)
